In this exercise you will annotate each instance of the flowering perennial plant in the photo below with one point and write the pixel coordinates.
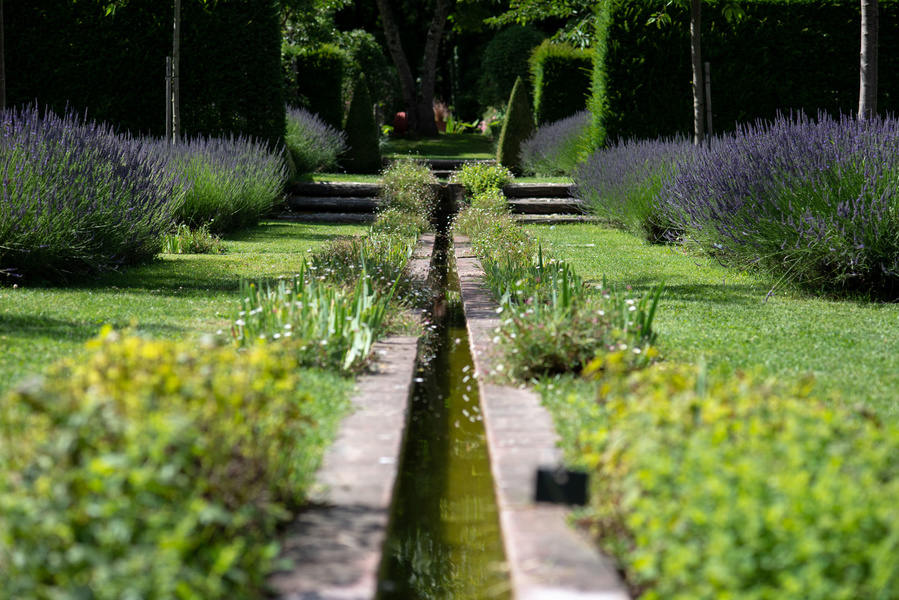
(313, 144)
(813, 201)
(233, 181)
(554, 148)
(77, 198)
(621, 183)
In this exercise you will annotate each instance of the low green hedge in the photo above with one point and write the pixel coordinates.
(156, 470)
(739, 487)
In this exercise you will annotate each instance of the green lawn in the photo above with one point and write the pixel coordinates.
(176, 296)
(446, 145)
(727, 319)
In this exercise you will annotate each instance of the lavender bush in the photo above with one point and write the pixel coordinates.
(554, 147)
(313, 144)
(233, 182)
(814, 201)
(77, 198)
(621, 183)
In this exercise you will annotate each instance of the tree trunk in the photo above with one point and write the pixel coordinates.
(176, 75)
(427, 124)
(419, 103)
(2, 61)
(698, 87)
(867, 94)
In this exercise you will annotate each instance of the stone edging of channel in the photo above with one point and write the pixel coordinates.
(336, 544)
(547, 558)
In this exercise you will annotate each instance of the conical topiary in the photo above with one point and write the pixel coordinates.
(364, 154)
(518, 126)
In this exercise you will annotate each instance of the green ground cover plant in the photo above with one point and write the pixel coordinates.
(480, 178)
(741, 486)
(157, 469)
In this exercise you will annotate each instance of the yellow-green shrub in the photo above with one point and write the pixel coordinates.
(742, 487)
(154, 470)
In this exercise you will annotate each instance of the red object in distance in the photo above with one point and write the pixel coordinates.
(400, 124)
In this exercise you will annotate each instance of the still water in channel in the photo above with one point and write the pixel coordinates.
(445, 539)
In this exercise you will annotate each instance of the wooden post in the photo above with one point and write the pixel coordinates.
(176, 72)
(708, 104)
(168, 99)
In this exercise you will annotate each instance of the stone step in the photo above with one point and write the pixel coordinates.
(538, 190)
(327, 217)
(543, 206)
(332, 204)
(335, 188)
(554, 219)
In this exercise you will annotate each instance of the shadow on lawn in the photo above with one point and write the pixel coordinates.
(719, 293)
(37, 327)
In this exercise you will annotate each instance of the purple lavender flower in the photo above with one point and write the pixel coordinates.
(620, 183)
(75, 198)
(313, 144)
(554, 148)
(814, 201)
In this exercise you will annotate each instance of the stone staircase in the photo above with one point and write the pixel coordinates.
(331, 202)
(348, 202)
(545, 203)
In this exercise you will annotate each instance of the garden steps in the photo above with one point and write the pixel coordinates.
(332, 202)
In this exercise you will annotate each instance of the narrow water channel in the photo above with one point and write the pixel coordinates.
(445, 539)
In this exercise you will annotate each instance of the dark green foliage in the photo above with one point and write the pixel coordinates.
(64, 53)
(518, 126)
(506, 59)
(319, 84)
(561, 75)
(367, 56)
(364, 154)
(785, 56)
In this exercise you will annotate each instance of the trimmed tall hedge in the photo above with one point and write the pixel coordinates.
(63, 53)
(518, 126)
(505, 59)
(785, 56)
(364, 153)
(319, 83)
(561, 75)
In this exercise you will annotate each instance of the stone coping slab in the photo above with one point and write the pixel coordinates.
(336, 544)
(548, 559)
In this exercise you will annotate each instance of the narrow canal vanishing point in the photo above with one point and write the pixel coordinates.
(429, 490)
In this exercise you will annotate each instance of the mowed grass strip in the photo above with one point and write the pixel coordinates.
(446, 145)
(174, 297)
(728, 319)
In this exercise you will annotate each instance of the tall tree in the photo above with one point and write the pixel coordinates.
(418, 100)
(867, 92)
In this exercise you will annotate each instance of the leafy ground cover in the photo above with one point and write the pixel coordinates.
(727, 319)
(447, 145)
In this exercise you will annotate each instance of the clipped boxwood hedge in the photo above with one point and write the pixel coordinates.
(561, 75)
(787, 55)
(155, 470)
(320, 72)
